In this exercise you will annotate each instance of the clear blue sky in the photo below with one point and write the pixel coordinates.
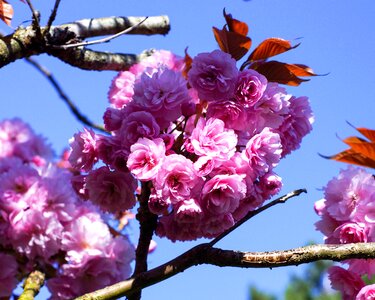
(338, 37)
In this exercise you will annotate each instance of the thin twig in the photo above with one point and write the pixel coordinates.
(53, 15)
(36, 17)
(205, 254)
(253, 213)
(100, 41)
(73, 108)
(32, 285)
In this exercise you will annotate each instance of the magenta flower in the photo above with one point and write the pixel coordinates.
(214, 75)
(8, 275)
(349, 233)
(232, 113)
(146, 158)
(83, 153)
(222, 194)
(250, 87)
(112, 191)
(138, 124)
(188, 212)
(348, 283)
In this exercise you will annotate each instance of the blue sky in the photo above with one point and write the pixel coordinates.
(338, 37)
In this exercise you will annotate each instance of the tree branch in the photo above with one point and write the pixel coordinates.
(25, 42)
(32, 285)
(205, 254)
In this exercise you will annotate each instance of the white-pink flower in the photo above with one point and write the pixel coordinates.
(211, 138)
(146, 158)
(263, 151)
(366, 293)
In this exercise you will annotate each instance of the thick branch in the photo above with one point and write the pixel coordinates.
(32, 285)
(24, 42)
(87, 28)
(204, 254)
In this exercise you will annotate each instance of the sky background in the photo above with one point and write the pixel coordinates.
(338, 37)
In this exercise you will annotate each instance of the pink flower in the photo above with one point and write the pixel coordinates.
(296, 125)
(269, 185)
(222, 194)
(188, 212)
(112, 191)
(346, 193)
(348, 283)
(177, 179)
(138, 124)
(113, 118)
(122, 89)
(250, 87)
(162, 93)
(158, 59)
(8, 275)
(349, 233)
(213, 75)
(83, 150)
(232, 113)
(263, 151)
(366, 293)
(210, 138)
(216, 224)
(146, 158)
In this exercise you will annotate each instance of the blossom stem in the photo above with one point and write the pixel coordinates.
(147, 224)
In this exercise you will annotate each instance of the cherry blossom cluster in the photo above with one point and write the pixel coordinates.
(348, 216)
(45, 225)
(205, 138)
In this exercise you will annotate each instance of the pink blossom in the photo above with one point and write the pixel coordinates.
(344, 194)
(162, 93)
(157, 204)
(146, 158)
(35, 233)
(366, 293)
(296, 125)
(263, 151)
(188, 212)
(158, 59)
(177, 179)
(269, 185)
(349, 233)
(138, 124)
(348, 283)
(216, 224)
(122, 89)
(213, 75)
(168, 227)
(210, 138)
(232, 113)
(18, 139)
(112, 191)
(8, 275)
(250, 87)
(222, 194)
(85, 237)
(83, 150)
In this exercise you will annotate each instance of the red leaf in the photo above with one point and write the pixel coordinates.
(235, 25)
(361, 152)
(233, 43)
(270, 47)
(300, 70)
(352, 157)
(6, 12)
(188, 61)
(276, 71)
